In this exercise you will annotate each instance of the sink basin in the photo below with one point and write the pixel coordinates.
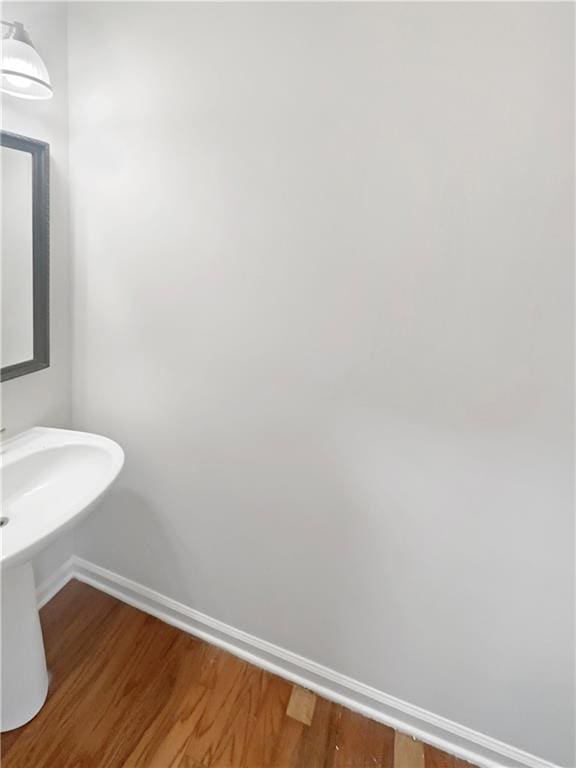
(51, 478)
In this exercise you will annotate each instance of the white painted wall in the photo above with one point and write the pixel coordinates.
(323, 298)
(44, 397)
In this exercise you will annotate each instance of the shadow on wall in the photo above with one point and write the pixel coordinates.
(257, 528)
(126, 528)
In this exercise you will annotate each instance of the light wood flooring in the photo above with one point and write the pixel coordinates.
(128, 690)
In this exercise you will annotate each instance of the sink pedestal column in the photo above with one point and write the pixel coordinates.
(23, 675)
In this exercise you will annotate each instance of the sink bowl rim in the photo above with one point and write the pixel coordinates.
(31, 442)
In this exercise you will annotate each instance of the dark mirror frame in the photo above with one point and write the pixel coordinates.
(40, 152)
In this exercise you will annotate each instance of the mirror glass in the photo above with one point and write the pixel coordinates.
(17, 257)
(24, 255)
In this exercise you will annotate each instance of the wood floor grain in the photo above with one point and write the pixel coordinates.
(128, 691)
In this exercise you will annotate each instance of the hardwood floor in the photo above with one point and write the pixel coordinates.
(127, 690)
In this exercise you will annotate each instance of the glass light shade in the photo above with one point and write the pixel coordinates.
(23, 74)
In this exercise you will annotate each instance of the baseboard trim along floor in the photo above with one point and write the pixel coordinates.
(440, 732)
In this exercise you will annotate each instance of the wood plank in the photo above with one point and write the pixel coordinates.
(290, 740)
(360, 743)
(162, 744)
(221, 733)
(187, 762)
(434, 758)
(7, 740)
(408, 753)
(315, 739)
(266, 747)
(301, 705)
(380, 744)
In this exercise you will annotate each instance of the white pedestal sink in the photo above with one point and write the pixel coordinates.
(51, 478)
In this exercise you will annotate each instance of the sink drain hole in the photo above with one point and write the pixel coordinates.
(4, 521)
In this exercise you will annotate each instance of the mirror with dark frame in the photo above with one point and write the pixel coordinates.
(25, 253)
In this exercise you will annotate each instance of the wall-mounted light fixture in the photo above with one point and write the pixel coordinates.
(23, 72)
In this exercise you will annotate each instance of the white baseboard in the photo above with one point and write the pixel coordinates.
(55, 582)
(438, 731)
